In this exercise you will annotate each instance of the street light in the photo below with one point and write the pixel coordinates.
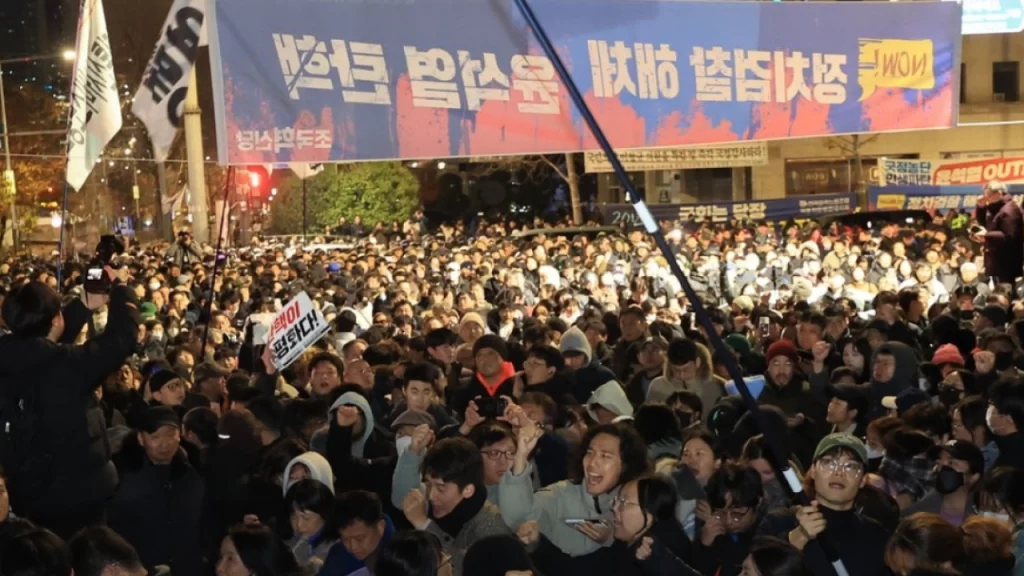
(8, 175)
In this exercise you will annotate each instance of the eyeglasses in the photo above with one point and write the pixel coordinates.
(499, 454)
(619, 502)
(848, 468)
(731, 516)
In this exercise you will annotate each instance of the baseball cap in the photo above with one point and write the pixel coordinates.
(413, 418)
(208, 370)
(842, 440)
(905, 400)
(961, 450)
(147, 311)
(159, 416)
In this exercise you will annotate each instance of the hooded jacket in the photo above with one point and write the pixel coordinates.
(706, 385)
(611, 397)
(551, 506)
(341, 562)
(319, 470)
(158, 509)
(590, 377)
(76, 472)
(905, 375)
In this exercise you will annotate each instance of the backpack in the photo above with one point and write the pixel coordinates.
(26, 463)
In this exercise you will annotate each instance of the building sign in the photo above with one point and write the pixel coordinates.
(930, 198)
(731, 156)
(827, 177)
(951, 173)
(354, 81)
(992, 16)
(723, 212)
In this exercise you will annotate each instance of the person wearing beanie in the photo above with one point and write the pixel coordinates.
(787, 389)
(947, 358)
(494, 377)
(688, 368)
(587, 372)
(471, 328)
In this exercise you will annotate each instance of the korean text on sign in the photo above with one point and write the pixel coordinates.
(725, 75)
(294, 329)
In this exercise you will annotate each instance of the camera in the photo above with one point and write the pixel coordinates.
(96, 280)
(492, 407)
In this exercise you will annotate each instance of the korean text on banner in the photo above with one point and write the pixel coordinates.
(896, 172)
(95, 108)
(317, 81)
(731, 156)
(812, 206)
(160, 100)
(931, 198)
(296, 327)
(979, 172)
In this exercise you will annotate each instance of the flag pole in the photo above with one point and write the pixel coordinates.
(216, 257)
(67, 146)
(779, 454)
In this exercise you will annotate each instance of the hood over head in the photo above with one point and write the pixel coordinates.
(318, 466)
(359, 401)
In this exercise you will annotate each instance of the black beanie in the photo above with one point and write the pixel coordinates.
(493, 342)
(495, 556)
(160, 379)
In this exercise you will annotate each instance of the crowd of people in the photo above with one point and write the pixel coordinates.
(543, 405)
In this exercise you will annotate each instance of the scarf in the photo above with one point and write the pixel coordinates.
(466, 510)
(912, 476)
(492, 385)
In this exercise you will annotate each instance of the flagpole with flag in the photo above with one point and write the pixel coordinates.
(95, 115)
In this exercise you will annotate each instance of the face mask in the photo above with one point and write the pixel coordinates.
(172, 332)
(989, 414)
(685, 418)
(154, 287)
(948, 395)
(156, 337)
(1004, 360)
(948, 480)
(403, 443)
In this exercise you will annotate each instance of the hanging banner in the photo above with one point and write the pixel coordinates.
(814, 206)
(951, 172)
(992, 16)
(930, 198)
(350, 81)
(731, 156)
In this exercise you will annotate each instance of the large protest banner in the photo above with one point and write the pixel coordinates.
(812, 206)
(896, 172)
(930, 197)
(348, 81)
(296, 327)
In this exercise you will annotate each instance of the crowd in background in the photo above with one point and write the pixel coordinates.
(542, 404)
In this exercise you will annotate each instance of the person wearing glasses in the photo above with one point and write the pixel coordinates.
(648, 538)
(836, 475)
(728, 519)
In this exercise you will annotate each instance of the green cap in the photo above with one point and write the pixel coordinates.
(147, 310)
(845, 441)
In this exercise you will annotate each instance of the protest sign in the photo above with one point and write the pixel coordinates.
(296, 327)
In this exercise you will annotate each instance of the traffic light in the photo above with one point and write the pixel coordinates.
(259, 183)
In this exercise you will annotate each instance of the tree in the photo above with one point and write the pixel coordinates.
(851, 148)
(535, 166)
(377, 192)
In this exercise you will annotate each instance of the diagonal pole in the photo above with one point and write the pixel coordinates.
(778, 453)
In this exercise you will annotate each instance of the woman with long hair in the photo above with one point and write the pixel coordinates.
(648, 537)
(254, 550)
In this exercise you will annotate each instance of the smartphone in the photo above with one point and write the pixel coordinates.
(765, 326)
(693, 321)
(578, 521)
(492, 407)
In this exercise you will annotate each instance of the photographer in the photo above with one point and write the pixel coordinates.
(182, 252)
(55, 450)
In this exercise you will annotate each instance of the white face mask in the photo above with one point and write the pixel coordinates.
(989, 414)
(403, 443)
(154, 286)
(875, 453)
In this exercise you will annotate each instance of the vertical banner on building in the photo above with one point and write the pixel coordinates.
(159, 103)
(95, 108)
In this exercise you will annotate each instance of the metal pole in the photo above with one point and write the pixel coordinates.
(305, 222)
(7, 161)
(779, 454)
(166, 223)
(194, 153)
(216, 258)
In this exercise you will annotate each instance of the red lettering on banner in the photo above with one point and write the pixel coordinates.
(1007, 170)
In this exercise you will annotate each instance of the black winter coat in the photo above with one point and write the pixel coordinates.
(1004, 239)
(71, 434)
(158, 509)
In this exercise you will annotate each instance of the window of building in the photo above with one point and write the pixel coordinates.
(1006, 81)
(963, 82)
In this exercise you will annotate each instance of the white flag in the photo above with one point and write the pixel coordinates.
(95, 108)
(160, 101)
(304, 170)
(173, 204)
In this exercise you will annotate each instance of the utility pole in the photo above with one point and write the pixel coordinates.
(194, 153)
(9, 186)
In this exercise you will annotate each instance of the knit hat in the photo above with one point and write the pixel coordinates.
(783, 348)
(492, 341)
(948, 354)
(844, 441)
(147, 311)
(160, 379)
(739, 343)
(574, 340)
(474, 318)
(159, 416)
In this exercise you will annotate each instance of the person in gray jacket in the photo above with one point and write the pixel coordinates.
(457, 510)
(571, 522)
